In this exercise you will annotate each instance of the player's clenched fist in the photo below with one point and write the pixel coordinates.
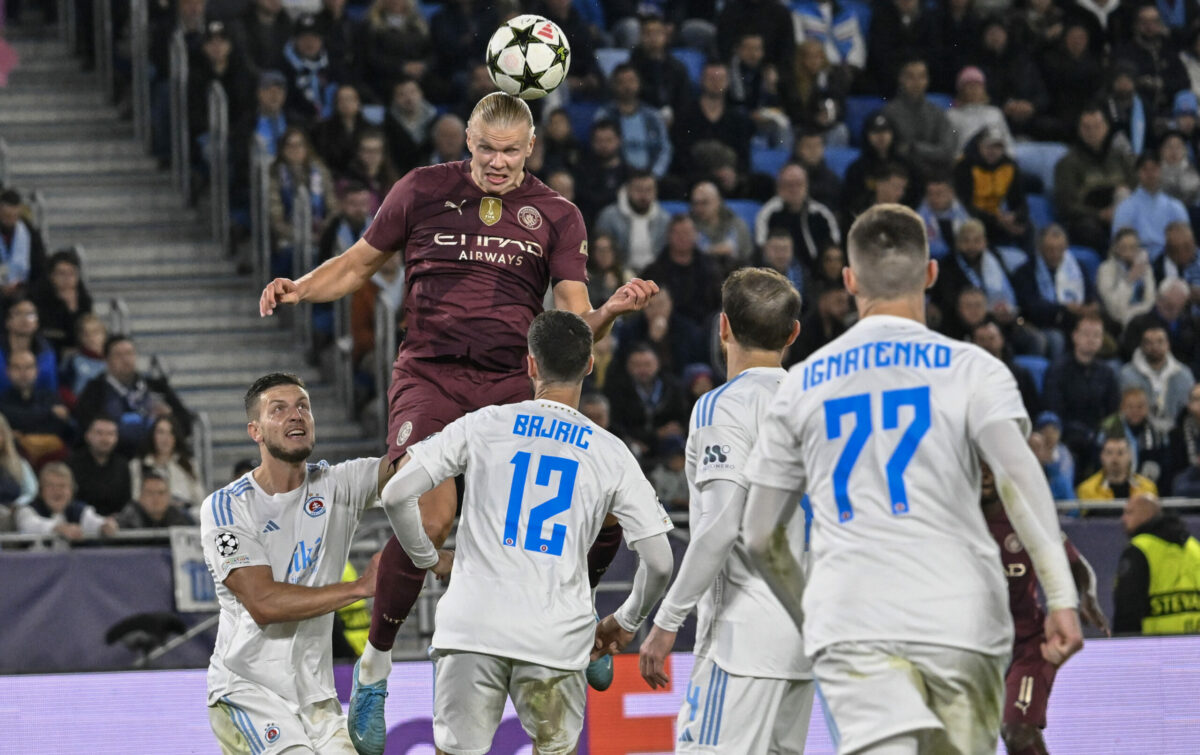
(611, 637)
(1064, 637)
(631, 297)
(278, 291)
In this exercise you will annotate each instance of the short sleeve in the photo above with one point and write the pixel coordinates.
(636, 506)
(776, 460)
(228, 542)
(444, 454)
(390, 229)
(569, 255)
(358, 479)
(724, 451)
(994, 398)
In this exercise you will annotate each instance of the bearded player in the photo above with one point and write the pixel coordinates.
(482, 240)
(1029, 678)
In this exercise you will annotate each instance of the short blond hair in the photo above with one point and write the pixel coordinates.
(501, 110)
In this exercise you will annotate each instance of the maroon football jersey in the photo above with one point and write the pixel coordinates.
(1028, 617)
(477, 265)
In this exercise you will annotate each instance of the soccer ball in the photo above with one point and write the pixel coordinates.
(528, 57)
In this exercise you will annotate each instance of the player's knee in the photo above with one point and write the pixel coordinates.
(1018, 737)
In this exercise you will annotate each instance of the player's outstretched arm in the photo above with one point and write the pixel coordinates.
(333, 279)
(764, 527)
(399, 497)
(713, 534)
(632, 297)
(271, 602)
(655, 564)
(1030, 507)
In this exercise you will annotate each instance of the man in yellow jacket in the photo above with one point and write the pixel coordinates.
(1158, 576)
(1116, 478)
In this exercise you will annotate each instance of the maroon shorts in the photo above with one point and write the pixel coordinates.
(428, 394)
(1027, 684)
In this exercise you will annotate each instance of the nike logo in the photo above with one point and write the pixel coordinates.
(451, 206)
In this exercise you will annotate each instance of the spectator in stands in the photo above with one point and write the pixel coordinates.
(312, 78)
(605, 272)
(1125, 281)
(972, 112)
(1130, 118)
(562, 182)
(1148, 210)
(387, 284)
(264, 126)
(600, 175)
(1157, 574)
(829, 272)
(690, 276)
(1053, 290)
(1180, 259)
(709, 117)
(297, 165)
(645, 142)
(670, 482)
(891, 183)
(1165, 380)
(218, 62)
(974, 264)
(88, 360)
(478, 84)
(165, 454)
(1152, 55)
(1055, 456)
(923, 131)
(448, 139)
(21, 334)
(42, 424)
(676, 340)
(57, 511)
(954, 27)
(812, 224)
(341, 34)
(101, 473)
(987, 335)
(1147, 442)
(370, 169)
(556, 148)
(969, 312)
(585, 78)
(348, 226)
(1014, 82)
(459, 32)
(1074, 73)
(943, 214)
(154, 507)
(647, 403)
(770, 20)
(879, 149)
(825, 322)
(1183, 468)
(665, 82)
(989, 182)
(823, 183)
(190, 19)
(836, 29)
(595, 407)
(407, 123)
(18, 483)
(1171, 313)
(130, 398)
(900, 31)
(718, 163)
(636, 222)
(1116, 478)
(815, 97)
(779, 255)
(754, 88)
(1107, 22)
(1080, 389)
(396, 46)
(1179, 177)
(722, 234)
(1089, 182)
(60, 300)
(22, 251)
(336, 137)
(260, 34)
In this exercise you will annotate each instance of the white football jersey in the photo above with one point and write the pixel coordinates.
(739, 622)
(540, 478)
(304, 536)
(879, 428)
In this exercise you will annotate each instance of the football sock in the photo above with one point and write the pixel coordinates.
(396, 590)
(375, 665)
(602, 552)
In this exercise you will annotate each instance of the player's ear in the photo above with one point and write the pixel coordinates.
(849, 281)
(795, 333)
(591, 364)
(253, 431)
(931, 273)
(723, 328)
(531, 367)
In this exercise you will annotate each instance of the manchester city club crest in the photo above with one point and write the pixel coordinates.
(530, 217)
(490, 209)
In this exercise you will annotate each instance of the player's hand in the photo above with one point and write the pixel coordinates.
(445, 563)
(366, 580)
(1092, 613)
(631, 297)
(1064, 637)
(278, 291)
(610, 638)
(653, 659)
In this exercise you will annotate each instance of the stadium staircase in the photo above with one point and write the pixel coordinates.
(186, 302)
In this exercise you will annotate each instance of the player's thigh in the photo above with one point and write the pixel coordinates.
(870, 692)
(326, 725)
(247, 722)
(790, 729)
(418, 405)
(727, 713)
(1027, 685)
(966, 692)
(469, 693)
(549, 704)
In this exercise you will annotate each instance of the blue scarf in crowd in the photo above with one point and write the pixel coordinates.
(1065, 285)
(15, 255)
(308, 78)
(316, 192)
(993, 281)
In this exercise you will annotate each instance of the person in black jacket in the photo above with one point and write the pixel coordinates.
(102, 474)
(988, 336)
(260, 34)
(879, 149)
(61, 298)
(1144, 515)
(665, 81)
(1082, 391)
(153, 508)
(647, 403)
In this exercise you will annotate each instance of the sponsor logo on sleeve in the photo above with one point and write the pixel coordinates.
(716, 457)
(529, 217)
(234, 561)
(227, 544)
(314, 506)
(583, 247)
(490, 209)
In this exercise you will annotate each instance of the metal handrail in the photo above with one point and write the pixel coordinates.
(118, 313)
(302, 256)
(3, 162)
(343, 354)
(103, 23)
(66, 23)
(260, 220)
(218, 162)
(181, 153)
(139, 43)
(202, 441)
(37, 207)
(1083, 507)
(383, 356)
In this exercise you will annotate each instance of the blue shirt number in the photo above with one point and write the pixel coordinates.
(565, 490)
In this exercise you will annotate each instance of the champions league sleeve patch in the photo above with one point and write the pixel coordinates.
(227, 544)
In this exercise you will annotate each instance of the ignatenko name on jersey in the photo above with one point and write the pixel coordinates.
(876, 354)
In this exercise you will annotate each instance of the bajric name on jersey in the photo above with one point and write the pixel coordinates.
(534, 426)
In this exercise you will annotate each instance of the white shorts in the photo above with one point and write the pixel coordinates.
(724, 713)
(468, 700)
(256, 720)
(872, 691)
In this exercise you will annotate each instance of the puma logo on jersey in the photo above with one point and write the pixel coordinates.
(713, 454)
(451, 206)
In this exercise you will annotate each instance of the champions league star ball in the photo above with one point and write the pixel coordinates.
(528, 57)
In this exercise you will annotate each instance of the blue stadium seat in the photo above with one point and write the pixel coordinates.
(1088, 259)
(429, 10)
(609, 58)
(1038, 159)
(768, 161)
(674, 208)
(746, 209)
(944, 101)
(1037, 367)
(863, 11)
(374, 114)
(693, 59)
(1040, 211)
(839, 158)
(581, 115)
(857, 110)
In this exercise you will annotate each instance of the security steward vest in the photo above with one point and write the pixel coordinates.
(355, 617)
(1174, 585)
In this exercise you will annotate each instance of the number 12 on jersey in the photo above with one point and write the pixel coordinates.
(859, 407)
(560, 502)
